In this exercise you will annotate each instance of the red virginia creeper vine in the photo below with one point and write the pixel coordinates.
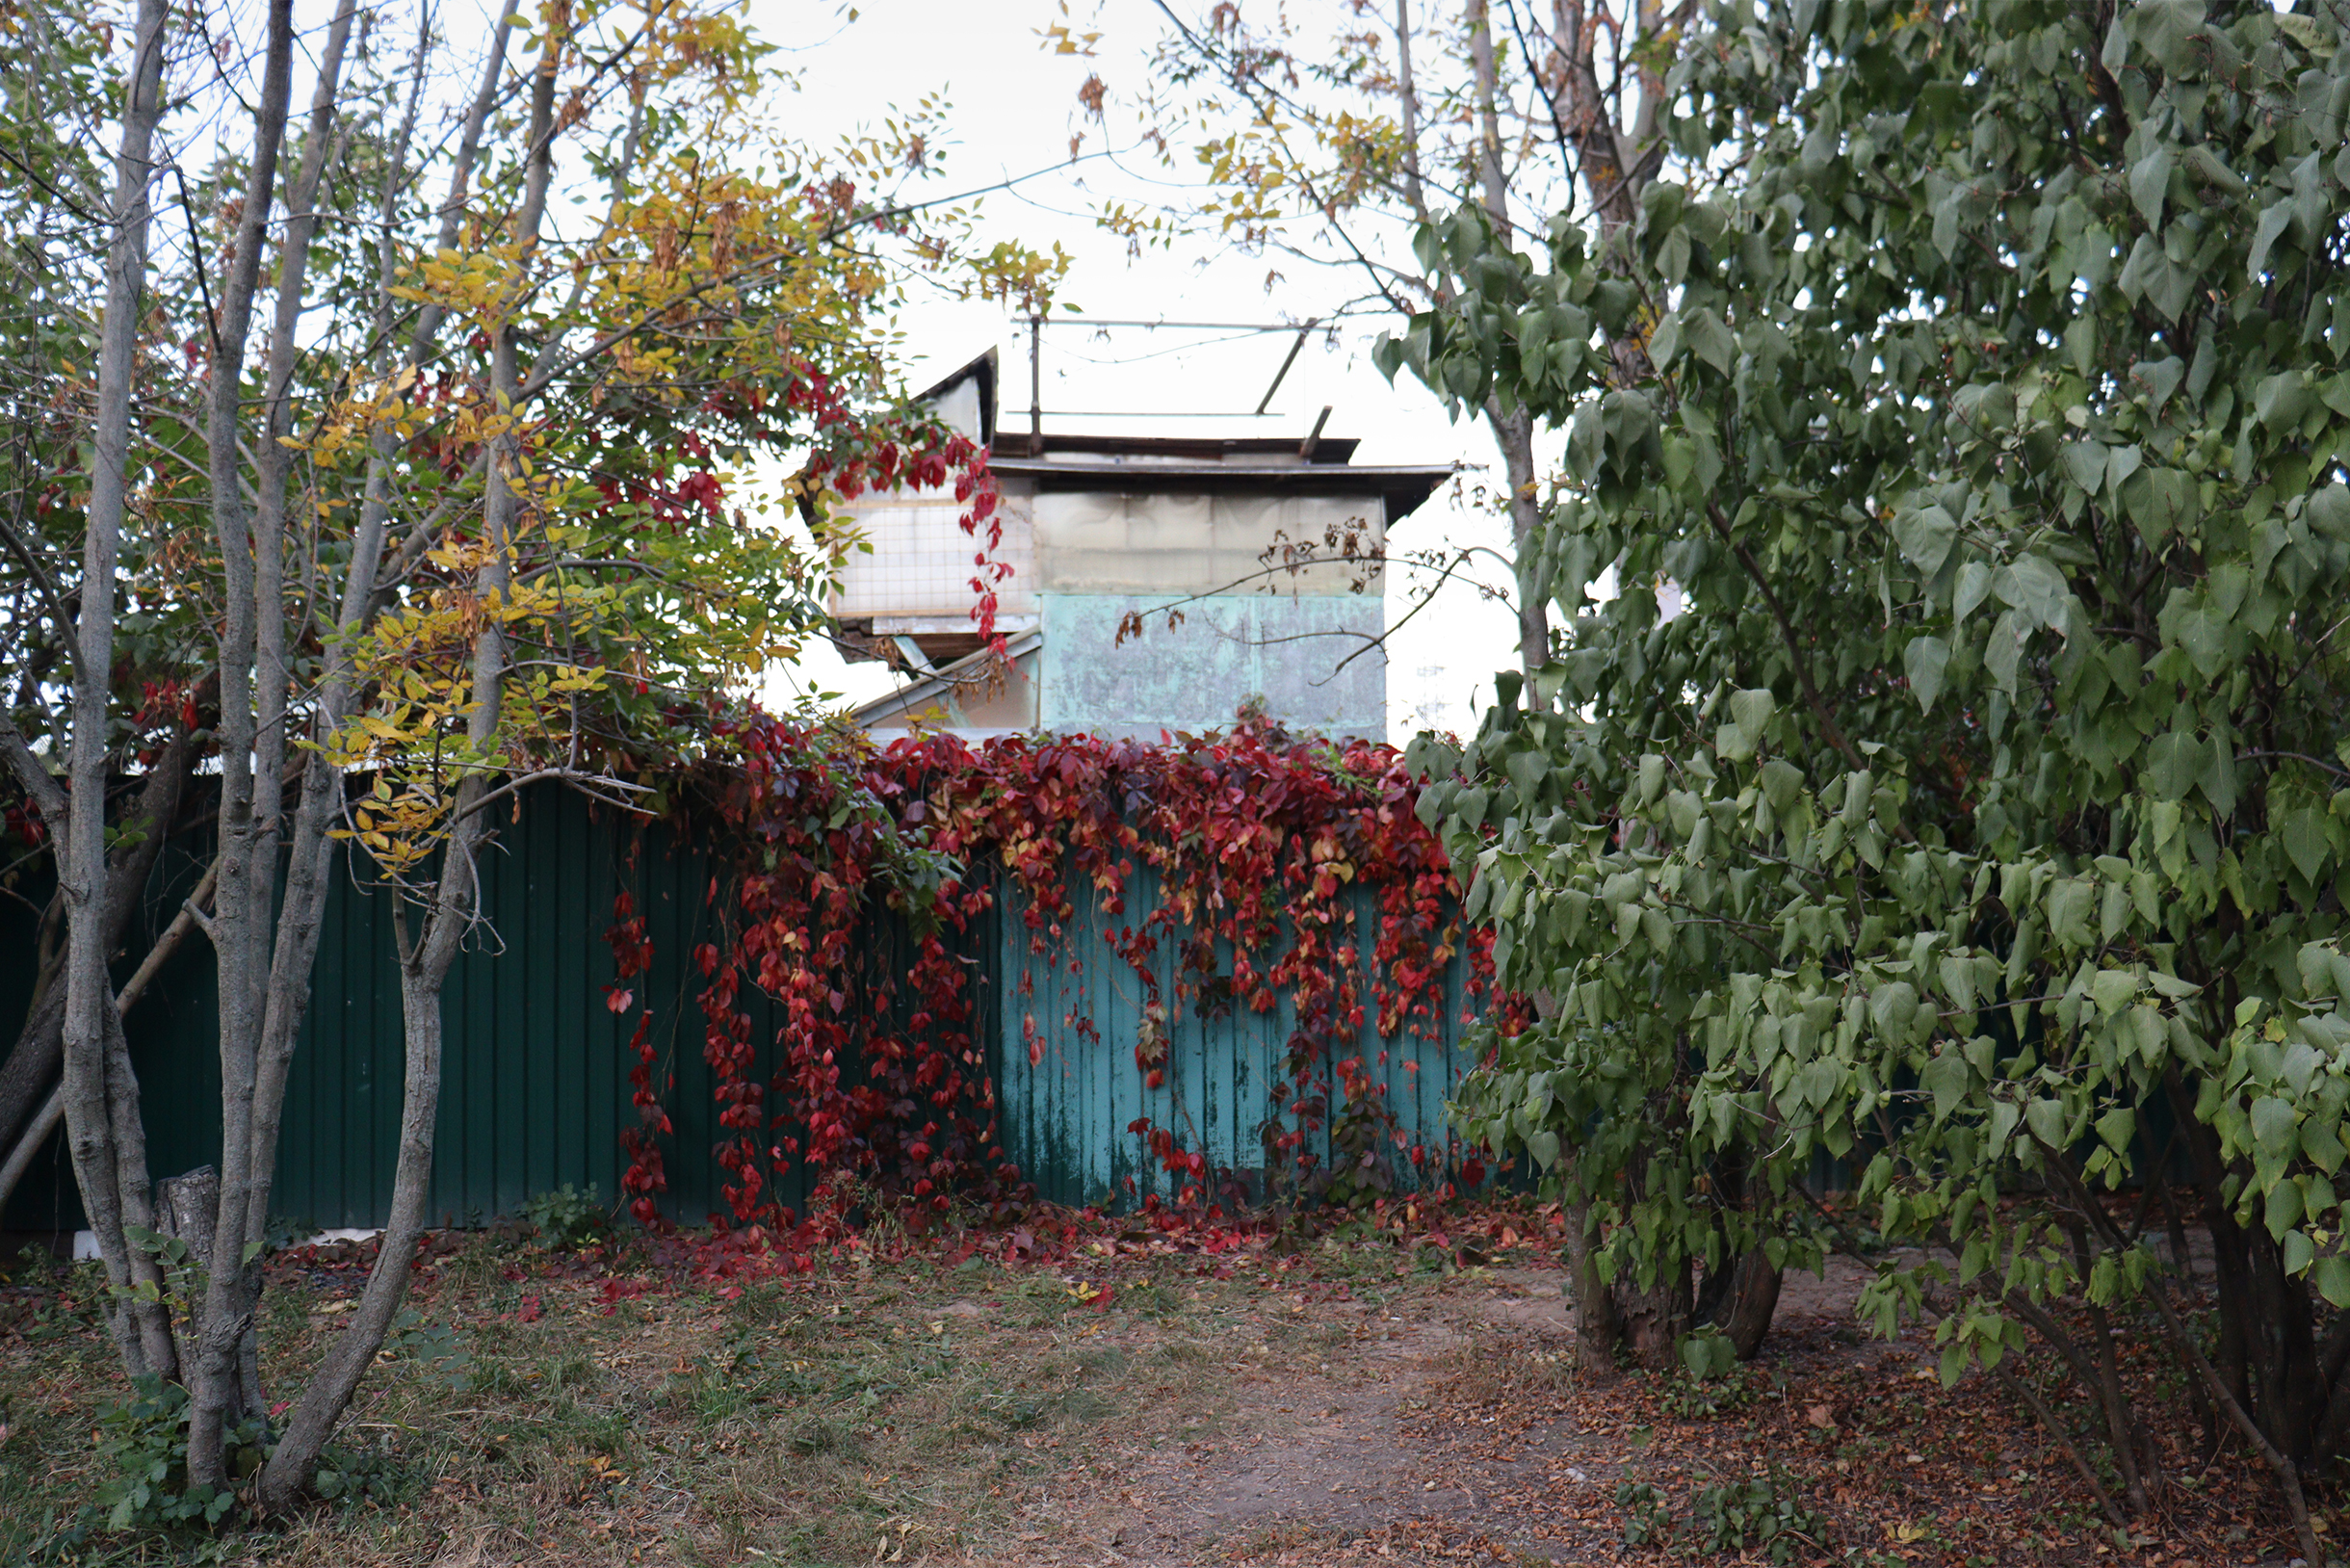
(1253, 837)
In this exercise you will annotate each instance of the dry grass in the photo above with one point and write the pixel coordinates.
(1356, 1403)
(1506, 1368)
(900, 1409)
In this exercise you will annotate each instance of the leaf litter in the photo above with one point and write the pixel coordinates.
(1077, 1390)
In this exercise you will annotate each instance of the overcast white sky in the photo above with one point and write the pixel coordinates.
(1014, 106)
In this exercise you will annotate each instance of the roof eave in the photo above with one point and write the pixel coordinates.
(1404, 487)
(940, 680)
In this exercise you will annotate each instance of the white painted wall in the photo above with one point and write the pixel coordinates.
(1170, 544)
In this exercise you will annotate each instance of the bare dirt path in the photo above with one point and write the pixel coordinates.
(1394, 1449)
(1449, 1430)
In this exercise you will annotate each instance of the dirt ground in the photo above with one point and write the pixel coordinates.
(1355, 1453)
(1105, 1397)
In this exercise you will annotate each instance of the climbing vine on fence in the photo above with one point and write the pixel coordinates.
(880, 1071)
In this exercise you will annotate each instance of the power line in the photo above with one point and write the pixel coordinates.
(1202, 327)
(1037, 411)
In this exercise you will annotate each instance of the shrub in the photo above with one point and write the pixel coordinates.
(144, 1442)
(566, 1220)
(1761, 1513)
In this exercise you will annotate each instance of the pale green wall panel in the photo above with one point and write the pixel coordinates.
(1194, 676)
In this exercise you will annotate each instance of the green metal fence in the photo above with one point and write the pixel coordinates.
(536, 1089)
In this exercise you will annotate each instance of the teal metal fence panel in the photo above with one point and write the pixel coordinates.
(1078, 1008)
(535, 1094)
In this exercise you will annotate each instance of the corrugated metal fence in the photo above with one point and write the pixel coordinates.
(536, 1090)
(1067, 1115)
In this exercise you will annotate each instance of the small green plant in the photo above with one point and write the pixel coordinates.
(354, 1477)
(285, 1233)
(434, 1347)
(566, 1220)
(183, 1279)
(144, 1441)
(1685, 1399)
(1707, 1353)
(1711, 1382)
(1647, 1521)
(1761, 1513)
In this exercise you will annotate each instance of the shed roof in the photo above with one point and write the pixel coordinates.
(1318, 464)
(1403, 487)
(944, 681)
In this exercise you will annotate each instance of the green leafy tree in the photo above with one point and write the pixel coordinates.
(1956, 785)
(1322, 139)
(428, 462)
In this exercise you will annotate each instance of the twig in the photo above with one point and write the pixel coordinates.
(2294, 756)
(191, 915)
(1786, 632)
(2288, 1474)
(37, 780)
(2064, 1438)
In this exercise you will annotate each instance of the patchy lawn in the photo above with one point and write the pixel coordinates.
(1107, 1394)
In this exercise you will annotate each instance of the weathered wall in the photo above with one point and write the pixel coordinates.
(1083, 559)
(920, 566)
(1170, 544)
(1228, 649)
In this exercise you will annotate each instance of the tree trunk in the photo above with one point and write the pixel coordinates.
(244, 906)
(424, 964)
(1514, 433)
(311, 848)
(301, 908)
(1597, 1332)
(1655, 1317)
(184, 1211)
(312, 852)
(226, 1375)
(1513, 430)
(1741, 1300)
(291, 1464)
(1742, 1309)
(2292, 1391)
(100, 1095)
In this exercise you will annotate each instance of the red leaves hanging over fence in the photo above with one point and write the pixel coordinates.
(850, 454)
(879, 1068)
